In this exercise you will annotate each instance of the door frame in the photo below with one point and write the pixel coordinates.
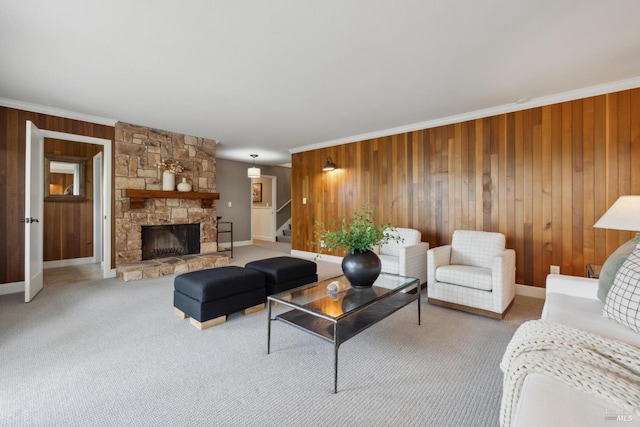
(107, 271)
(273, 207)
(97, 208)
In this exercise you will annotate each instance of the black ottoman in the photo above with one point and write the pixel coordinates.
(284, 273)
(207, 296)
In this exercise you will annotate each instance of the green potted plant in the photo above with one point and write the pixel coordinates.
(361, 266)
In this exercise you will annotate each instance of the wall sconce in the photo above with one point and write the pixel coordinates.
(329, 165)
(253, 172)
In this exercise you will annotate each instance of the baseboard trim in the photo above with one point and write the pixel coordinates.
(530, 291)
(11, 288)
(68, 262)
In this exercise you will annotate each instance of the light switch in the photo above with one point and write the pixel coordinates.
(304, 200)
(229, 204)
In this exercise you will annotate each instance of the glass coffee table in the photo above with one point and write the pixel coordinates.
(338, 316)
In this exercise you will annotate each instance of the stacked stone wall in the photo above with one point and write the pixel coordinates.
(137, 151)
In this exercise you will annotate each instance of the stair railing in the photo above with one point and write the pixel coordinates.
(282, 207)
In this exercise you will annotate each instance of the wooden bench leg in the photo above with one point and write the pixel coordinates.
(209, 323)
(181, 314)
(253, 309)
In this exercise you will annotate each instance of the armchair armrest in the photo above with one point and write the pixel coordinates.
(437, 257)
(503, 275)
(413, 261)
(572, 285)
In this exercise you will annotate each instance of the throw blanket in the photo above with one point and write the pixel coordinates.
(603, 367)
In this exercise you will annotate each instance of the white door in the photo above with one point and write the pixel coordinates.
(33, 212)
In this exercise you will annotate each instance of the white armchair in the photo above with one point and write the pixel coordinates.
(475, 273)
(407, 258)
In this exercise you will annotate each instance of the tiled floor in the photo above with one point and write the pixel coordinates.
(71, 274)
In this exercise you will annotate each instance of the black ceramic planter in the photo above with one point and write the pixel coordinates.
(361, 268)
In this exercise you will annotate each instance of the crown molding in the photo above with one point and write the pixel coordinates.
(572, 95)
(5, 102)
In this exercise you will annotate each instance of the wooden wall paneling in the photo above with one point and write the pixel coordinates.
(577, 191)
(612, 157)
(546, 168)
(588, 182)
(624, 153)
(541, 176)
(556, 181)
(567, 189)
(537, 202)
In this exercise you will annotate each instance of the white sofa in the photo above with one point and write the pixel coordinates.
(545, 401)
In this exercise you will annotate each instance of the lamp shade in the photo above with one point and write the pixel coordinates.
(253, 172)
(329, 165)
(624, 214)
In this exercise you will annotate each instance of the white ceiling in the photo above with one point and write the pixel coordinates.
(271, 76)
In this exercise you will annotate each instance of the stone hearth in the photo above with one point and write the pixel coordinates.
(168, 266)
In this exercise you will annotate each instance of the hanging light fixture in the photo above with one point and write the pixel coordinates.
(328, 165)
(253, 172)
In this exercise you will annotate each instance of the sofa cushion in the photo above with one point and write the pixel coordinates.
(464, 275)
(612, 265)
(476, 248)
(623, 300)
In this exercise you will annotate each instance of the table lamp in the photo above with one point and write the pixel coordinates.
(624, 214)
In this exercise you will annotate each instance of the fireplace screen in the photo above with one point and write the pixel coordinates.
(162, 241)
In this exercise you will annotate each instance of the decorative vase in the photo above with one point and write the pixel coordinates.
(184, 185)
(361, 268)
(168, 181)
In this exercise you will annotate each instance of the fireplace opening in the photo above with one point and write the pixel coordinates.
(162, 241)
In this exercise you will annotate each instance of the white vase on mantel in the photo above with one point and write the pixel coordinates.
(184, 185)
(168, 181)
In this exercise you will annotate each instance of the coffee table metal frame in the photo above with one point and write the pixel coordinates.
(335, 316)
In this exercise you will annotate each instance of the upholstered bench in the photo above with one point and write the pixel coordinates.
(284, 273)
(208, 296)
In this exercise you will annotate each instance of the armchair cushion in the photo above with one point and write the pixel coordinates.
(476, 248)
(464, 275)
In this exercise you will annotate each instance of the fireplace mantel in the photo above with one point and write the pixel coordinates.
(137, 197)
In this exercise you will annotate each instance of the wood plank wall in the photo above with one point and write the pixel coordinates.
(541, 176)
(68, 226)
(12, 161)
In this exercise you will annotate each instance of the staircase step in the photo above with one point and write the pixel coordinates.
(286, 232)
(285, 239)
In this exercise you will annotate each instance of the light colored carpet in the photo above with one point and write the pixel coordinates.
(108, 353)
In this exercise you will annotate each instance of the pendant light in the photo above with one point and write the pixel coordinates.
(253, 172)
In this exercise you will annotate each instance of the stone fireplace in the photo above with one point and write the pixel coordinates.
(138, 150)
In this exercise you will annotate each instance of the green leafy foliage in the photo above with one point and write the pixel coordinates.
(361, 234)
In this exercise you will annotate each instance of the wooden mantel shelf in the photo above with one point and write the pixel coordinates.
(138, 196)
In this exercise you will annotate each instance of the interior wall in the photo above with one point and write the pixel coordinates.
(541, 176)
(68, 226)
(12, 166)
